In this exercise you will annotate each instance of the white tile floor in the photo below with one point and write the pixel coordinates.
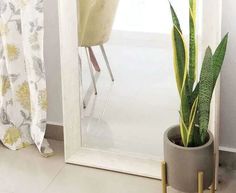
(132, 113)
(25, 171)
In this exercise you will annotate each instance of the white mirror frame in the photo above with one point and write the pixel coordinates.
(74, 152)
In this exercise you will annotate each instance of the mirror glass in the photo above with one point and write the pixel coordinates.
(128, 42)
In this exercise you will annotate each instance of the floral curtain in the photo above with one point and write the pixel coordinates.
(23, 97)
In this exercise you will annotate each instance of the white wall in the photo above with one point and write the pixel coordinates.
(149, 16)
(228, 79)
(52, 62)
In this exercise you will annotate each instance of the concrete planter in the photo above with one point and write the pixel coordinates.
(183, 164)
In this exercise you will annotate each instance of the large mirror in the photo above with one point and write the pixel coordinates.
(119, 90)
(128, 87)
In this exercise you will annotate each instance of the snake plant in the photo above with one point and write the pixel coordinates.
(195, 92)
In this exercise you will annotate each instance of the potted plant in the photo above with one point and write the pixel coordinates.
(189, 146)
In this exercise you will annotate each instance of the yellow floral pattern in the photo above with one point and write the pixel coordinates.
(43, 102)
(3, 29)
(11, 136)
(4, 85)
(23, 96)
(12, 52)
(23, 2)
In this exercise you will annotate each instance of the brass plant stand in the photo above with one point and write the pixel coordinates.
(200, 179)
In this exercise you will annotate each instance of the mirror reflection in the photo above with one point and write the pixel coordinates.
(128, 89)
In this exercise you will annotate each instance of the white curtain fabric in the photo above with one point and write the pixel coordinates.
(23, 97)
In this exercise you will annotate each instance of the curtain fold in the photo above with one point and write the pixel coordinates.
(23, 96)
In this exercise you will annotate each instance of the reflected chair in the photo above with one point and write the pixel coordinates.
(96, 18)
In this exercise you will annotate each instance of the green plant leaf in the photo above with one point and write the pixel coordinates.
(183, 130)
(175, 19)
(218, 58)
(185, 105)
(205, 93)
(193, 5)
(194, 94)
(196, 136)
(180, 66)
(192, 119)
(192, 50)
(180, 58)
(181, 74)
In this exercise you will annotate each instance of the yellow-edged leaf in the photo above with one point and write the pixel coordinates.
(183, 130)
(192, 118)
(180, 58)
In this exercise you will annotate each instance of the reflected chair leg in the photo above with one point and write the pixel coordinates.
(91, 71)
(81, 80)
(163, 175)
(94, 60)
(107, 62)
(200, 182)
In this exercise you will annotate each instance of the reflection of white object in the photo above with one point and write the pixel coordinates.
(95, 20)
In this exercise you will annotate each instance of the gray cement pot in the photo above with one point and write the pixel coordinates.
(183, 164)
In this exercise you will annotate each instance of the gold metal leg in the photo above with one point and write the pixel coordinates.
(213, 186)
(200, 179)
(164, 181)
(200, 182)
(212, 190)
